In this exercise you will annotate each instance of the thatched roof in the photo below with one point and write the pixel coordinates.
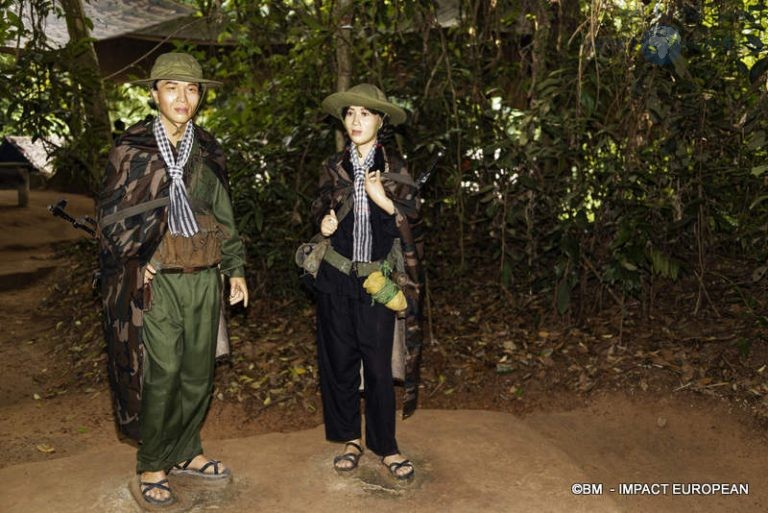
(159, 20)
(130, 34)
(153, 20)
(15, 148)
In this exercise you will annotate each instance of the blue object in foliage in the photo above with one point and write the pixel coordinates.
(661, 44)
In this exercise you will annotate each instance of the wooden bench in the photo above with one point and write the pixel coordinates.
(15, 175)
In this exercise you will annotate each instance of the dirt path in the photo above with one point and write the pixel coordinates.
(58, 450)
(29, 417)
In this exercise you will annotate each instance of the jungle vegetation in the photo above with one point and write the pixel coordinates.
(581, 160)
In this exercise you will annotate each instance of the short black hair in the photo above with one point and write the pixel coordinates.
(372, 111)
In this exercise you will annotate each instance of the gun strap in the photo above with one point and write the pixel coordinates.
(197, 206)
(132, 211)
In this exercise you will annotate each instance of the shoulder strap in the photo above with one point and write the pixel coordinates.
(135, 209)
(346, 207)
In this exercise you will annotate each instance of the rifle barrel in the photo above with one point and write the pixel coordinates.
(58, 211)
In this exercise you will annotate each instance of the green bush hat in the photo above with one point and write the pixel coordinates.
(365, 95)
(177, 66)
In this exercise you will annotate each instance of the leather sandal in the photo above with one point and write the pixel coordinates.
(182, 468)
(397, 465)
(353, 458)
(148, 486)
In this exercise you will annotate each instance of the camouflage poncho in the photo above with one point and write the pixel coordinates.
(132, 221)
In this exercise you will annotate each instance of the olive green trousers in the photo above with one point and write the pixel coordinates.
(179, 333)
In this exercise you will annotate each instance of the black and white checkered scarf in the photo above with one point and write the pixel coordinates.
(362, 239)
(181, 219)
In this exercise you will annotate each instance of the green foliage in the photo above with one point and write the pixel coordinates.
(43, 92)
(36, 94)
(570, 160)
(572, 164)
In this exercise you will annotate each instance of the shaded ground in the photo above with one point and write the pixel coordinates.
(621, 399)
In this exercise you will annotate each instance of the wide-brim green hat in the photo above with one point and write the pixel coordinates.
(181, 67)
(364, 95)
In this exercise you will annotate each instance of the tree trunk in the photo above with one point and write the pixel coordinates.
(568, 17)
(343, 19)
(541, 35)
(86, 72)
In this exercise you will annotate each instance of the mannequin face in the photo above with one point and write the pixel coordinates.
(176, 101)
(362, 125)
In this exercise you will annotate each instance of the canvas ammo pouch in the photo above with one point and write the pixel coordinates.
(310, 254)
(203, 249)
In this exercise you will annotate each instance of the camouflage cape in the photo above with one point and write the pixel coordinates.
(132, 221)
(334, 187)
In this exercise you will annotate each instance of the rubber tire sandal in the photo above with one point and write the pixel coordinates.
(353, 458)
(397, 465)
(147, 486)
(182, 468)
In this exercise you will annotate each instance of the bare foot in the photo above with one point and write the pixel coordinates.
(156, 493)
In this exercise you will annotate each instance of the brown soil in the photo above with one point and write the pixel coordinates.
(619, 400)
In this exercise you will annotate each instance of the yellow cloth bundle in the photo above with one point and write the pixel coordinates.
(384, 290)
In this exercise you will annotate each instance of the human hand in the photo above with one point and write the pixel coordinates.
(375, 190)
(149, 273)
(373, 186)
(329, 224)
(238, 291)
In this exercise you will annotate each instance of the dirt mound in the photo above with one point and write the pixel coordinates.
(510, 467)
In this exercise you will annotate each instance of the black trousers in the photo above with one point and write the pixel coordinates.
(351, 330)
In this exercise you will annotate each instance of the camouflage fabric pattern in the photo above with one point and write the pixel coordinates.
(135, 175)
(334, 187)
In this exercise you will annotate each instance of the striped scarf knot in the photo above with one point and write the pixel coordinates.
(181, 219)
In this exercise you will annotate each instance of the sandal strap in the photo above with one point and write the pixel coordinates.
(160, 485)
(215, 464)
(348, 456)
(182, 465)
(397, 465)
(356, 446)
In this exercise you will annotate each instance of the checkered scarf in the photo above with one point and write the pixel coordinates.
(362, 240)
(181, 219)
